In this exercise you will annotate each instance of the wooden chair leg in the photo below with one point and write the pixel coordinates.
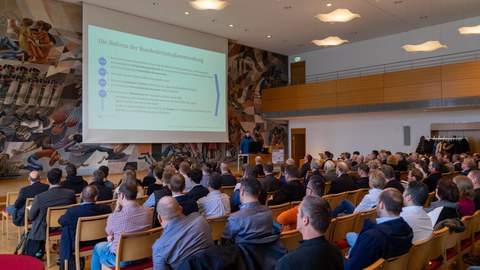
(7, 225)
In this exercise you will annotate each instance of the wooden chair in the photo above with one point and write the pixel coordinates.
(228, 190)
(328, 185)
(11, 198)
(476, 229)
(27, 223)
(294, 203)
(344, 224)
(403, 175)
(437, 246)
(361, 194)
(419, 254)
(329, 231)
(397, 263)
(217, 224)
(291, 239)
(430, 198)
(448, 175)
(88, 229)
(136, 246)
(378, 265)
(465, 238)
(451, 253)
(352, 196)
(362, 215)
(53, 213)
(77, 196)
(335, 199)
(142, 199)
(112, 203)
(278, 209)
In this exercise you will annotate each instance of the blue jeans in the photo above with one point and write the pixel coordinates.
(344, 208)
(103, 255)
(11, 209)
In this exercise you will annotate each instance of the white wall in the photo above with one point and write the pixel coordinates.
(387, 49)
(368, 131)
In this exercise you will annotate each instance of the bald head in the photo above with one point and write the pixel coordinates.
(34, 176)
(168, 208)
(342, 167)
(89, 193)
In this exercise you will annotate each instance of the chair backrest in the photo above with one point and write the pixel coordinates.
(419, 254)
(142, 199)
(28, 204)
(403, 175)
(352, 196)
(397, 263)
(362, 215)
(430, 198)
(90, 228)
(112, 203)
(329, 231)
(343, 225)
(217, 224)
(476, 222)
(361, 194)
(448, 175)
(137, 245)
(54, 213)
(438, 243)
(278, 209)
(291, 239)
(11, 198)
(335, 199)
(294, 203)
(378, 265)
(328, 185)
(468, 221)
(228, 190)
(77, 196)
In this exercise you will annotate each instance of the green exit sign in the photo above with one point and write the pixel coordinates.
(298, 59)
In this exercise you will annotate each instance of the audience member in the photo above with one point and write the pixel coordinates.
(457, 163)
(72, 180)
(248, 172)
(149, 178)
(314, 217)
(158, 184)
(69, 220)
(108, 183)
(282, 179)
(198, 190)
(306, 166)
(390, 237)
(163, 191)
(330, 171)
(253, 220)
(414, 174)
(363, 180)
(288, 219)
(315, 171)
(269, 182)
(447, 205)
(259, 166)
(294, 190)
(184, 170)
(177, 186)
(343, 182)
(466, 205)
(475, 177)
(414, 197)
(131, 218)
(206, 171)
(392, 182)
(17, 210)
(104, 193)
(216, 203)
(402, 164)
(54, 196)
(182, 236)
(228, 179)
(130, 179)
(328, 159)
(432, 179)
(468, 164)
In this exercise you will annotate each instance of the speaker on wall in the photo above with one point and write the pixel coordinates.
(406, 135)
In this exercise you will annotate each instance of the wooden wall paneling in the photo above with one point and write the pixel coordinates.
(461, 79)
(460, 71)
(279, 99)
(360, 90)
(317, 95)
(409, 85)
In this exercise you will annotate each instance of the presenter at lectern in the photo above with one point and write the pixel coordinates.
(244, 145)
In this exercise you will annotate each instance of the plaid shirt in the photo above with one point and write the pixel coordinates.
(132, 218)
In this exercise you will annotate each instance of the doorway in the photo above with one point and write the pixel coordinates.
(297, 73)
(298, 144)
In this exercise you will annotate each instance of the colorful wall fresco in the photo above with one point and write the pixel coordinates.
(41, 98)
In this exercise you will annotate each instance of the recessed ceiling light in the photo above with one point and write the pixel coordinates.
(397, 2)
(213, 20)
(287, 7)
(269, 36)
(231, 25)
(155, 3)
(329, 4)
(208, 4)
(246, 30)
(187, 13)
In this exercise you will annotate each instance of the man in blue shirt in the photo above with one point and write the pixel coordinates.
(244, 145)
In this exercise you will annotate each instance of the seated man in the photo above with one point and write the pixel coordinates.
(392, 182)
(54, 196)
(108, 183)
(158, 184)
(288, 219)
(216, 203)
(343, 182)
(269, 183)
(414, 197)
(163, 191)
(17, 210)
(314, 216)
(259, 166)
(69, 219)
(177, 185)
(228, 179)
(294, 190)
(182, 236)
(132, 218)
(198, 190)
(390, 237)
(315, 164)
(73, 181)
(253, 220)
(104, 193)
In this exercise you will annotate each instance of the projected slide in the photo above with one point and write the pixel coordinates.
(139, 83)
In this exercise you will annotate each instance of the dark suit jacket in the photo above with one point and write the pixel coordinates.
(259, 169)
(432, 181)
(342, 183)
(75, 183)
(69, 224)
(395, 184)
(104, 193)
(228, 179)
(458, 166)
(197, 192)
(294, 190)
(188, 205)
(25, 193)
(305, 168)
(270, 183)
(53, 197)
